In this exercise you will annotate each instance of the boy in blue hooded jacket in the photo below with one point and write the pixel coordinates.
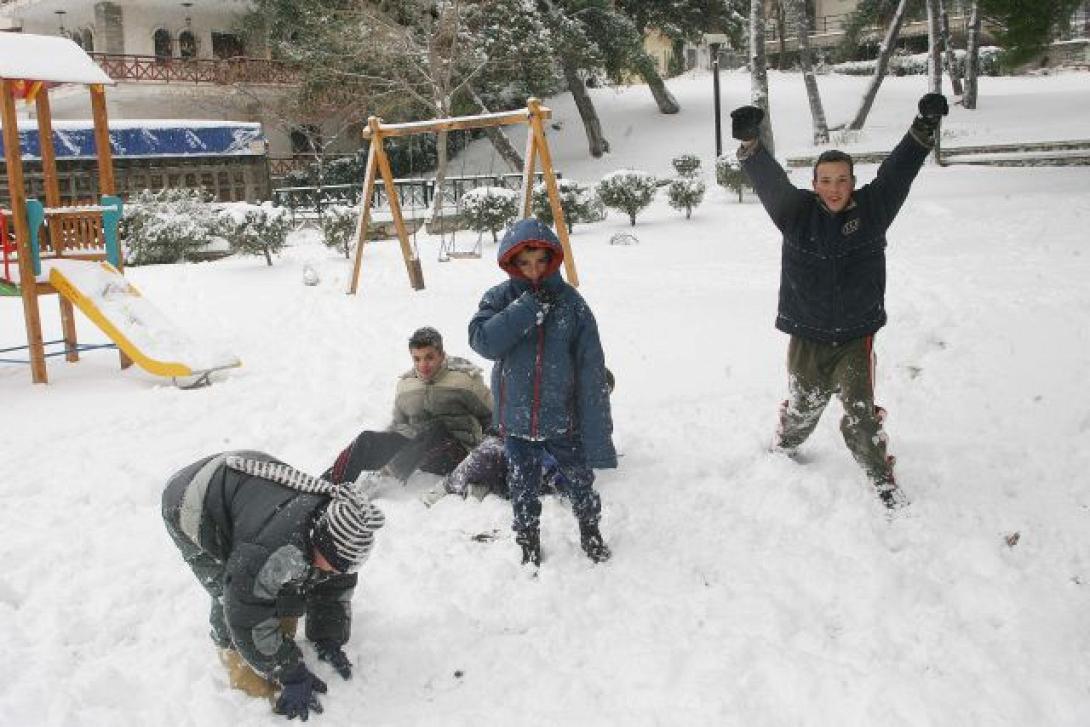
(548, 383)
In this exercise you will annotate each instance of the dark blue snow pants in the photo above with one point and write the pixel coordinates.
(524, 464)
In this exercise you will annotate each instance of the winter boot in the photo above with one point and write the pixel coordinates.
(593, 545)
(892, 496)
(530, 541)
(241, 676)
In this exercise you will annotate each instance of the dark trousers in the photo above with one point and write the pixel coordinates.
(816, 371)
(524, 467)
(434, 450)
(208, 569)
(486, 465)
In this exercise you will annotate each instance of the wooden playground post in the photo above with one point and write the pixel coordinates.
(54, 226)
(533, 116)
(538, 132)
(412, 263)
(17, 194)
(368, 190)
(105, 155)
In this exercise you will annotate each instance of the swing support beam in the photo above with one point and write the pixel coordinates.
(378, 163)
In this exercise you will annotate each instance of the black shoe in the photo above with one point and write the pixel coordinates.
(593, 545)
(892, 496)
(530, 541)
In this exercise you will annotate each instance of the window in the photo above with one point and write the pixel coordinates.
(162, 44)
(187, 44)
(87, 40)
(226, 45)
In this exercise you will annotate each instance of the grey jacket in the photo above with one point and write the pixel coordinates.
(254, 552)
(456, 396)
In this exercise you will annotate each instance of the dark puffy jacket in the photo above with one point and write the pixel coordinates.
(548, 380)
(833, 274)
(258, 533)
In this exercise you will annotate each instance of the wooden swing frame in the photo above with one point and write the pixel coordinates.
(378, 163)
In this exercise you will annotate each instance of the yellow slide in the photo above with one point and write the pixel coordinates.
(146, 336)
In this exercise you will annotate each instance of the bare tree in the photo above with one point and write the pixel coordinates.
(758, 71)
(951, 59)
(885, 51)
(934, 48)
(972, 56)
(817, 111)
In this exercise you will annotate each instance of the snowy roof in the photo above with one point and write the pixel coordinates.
(47, 58)
(144, 138)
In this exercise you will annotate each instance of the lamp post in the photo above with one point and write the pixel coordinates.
(715, 41)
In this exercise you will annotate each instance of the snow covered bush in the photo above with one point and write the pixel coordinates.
(339, 227)
(728, 173)
(687, 165)
(168, 226)
(686, 193)
(578, 202)
(903, 64)
(628, 191)
(489, 209)
(255, 229)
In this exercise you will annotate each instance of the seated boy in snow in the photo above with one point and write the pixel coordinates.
(441, 408)
(484, 471)
(833, 281)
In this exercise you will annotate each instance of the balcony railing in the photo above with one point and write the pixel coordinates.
(223, 71)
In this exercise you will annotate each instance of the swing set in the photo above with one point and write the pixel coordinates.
(378, 164)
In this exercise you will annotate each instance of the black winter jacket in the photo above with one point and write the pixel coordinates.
(833, 274)
(257, 533)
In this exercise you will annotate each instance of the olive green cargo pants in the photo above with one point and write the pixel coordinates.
(816, 371)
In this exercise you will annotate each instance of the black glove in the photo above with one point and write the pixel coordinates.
(547, 297)
(745, 122)
(933, 107)
(300, 694)
(331, 651)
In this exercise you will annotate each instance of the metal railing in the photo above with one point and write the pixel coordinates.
(222, 71)
(415, 195)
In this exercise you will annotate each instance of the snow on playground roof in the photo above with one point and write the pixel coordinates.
(149, 138)
(47, 58)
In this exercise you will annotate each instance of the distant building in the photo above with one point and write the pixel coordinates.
(172, 59)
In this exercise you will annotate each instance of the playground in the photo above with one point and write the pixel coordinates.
(744, 589)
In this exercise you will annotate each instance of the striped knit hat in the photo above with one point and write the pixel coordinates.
(343, 531)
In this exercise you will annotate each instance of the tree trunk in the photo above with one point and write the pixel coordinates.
(268, 257)
(758, 71)
(972, 57)
(817, 111)
(645, 66)
(781, 33)
(951, 59)
(934, 62)
(595, 138)
(500, 142)
(440, 177)
(934, 48)
(885, 51)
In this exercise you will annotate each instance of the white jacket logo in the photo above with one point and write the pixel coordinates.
(850, 226)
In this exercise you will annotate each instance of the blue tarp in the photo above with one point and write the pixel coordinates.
(133, 140)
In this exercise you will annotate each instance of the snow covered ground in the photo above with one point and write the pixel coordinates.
(745, 589)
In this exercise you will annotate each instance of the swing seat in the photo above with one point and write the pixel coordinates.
(464, 255)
